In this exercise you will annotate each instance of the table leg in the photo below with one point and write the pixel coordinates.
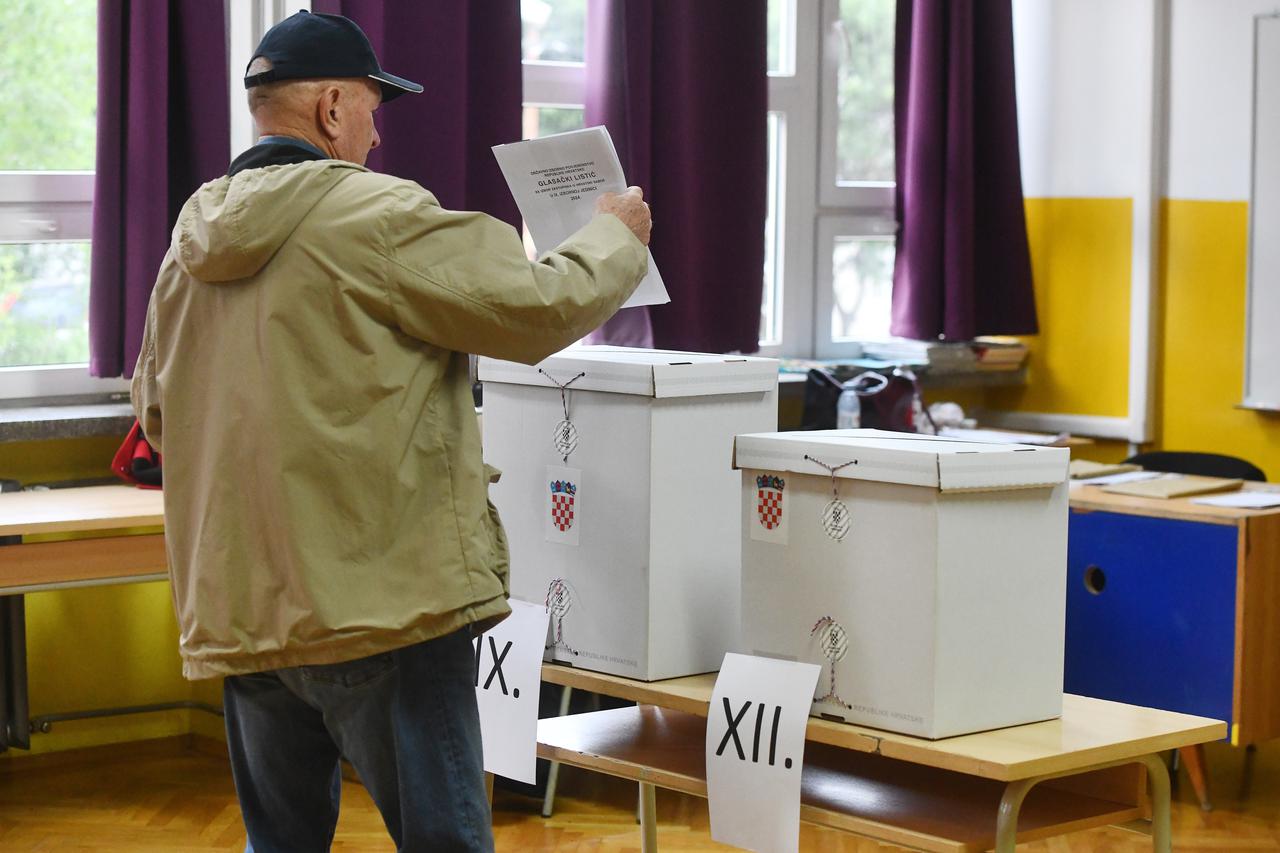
(1157, 779)
(553, 773)
(648, 818)
(1198, 771)
(1161, 827)
(1007, 817)
(14, 712)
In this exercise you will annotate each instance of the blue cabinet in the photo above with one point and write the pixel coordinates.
(1151, 611)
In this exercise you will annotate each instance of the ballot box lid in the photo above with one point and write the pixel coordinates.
(642, 372)
(945, 464)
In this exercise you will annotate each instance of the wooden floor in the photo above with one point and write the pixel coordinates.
(168, 796)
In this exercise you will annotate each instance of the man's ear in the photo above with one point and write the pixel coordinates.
(327, 111)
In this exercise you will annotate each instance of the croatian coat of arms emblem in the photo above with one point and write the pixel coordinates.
(769, 500)
(563, 494)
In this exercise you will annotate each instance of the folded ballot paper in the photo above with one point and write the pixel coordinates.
(556, 180)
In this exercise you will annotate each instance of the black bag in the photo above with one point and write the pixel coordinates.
(889, 407)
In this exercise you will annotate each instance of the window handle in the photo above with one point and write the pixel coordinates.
(43, 226)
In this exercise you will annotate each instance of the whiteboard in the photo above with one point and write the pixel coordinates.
(1262, 339)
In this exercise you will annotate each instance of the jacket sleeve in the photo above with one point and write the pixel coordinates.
(461, 281)
(143, 392)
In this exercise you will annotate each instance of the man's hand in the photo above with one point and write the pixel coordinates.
(631, 209)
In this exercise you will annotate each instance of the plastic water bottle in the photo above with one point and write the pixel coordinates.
(848, 407)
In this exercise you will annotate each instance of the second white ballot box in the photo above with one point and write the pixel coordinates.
(927, 576)
(618, 499)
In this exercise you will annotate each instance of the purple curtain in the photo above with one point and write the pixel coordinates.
(163, 129)
(466, 53)
(963, 267)
(683, 89)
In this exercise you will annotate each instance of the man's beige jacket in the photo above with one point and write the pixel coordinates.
(303, 371)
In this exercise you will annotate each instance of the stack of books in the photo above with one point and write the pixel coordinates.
(999, 353)
(940, 356)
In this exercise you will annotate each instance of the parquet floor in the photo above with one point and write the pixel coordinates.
(166, 796)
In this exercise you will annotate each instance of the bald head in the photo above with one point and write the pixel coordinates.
(335, 115)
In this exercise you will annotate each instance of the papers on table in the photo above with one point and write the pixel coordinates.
(1126, 477)
(1242, 500)
(1084, 469)
(999, 436)
(1175, 486)
(556, 180)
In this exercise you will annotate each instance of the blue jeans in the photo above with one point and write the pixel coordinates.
(406, 720)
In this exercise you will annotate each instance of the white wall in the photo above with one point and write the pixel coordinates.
(1211, 100)
(1083, 70)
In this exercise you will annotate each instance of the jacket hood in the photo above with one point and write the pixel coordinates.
(233, 226)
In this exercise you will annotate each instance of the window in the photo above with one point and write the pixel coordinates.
(829, 243)
(553, 39)
(247, 22)
(828, 271)
(49, 65)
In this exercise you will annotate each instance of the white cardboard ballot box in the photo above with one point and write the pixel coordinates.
(926, 575)
(623, 515)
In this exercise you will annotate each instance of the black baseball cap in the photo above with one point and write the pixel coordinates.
(307, 45)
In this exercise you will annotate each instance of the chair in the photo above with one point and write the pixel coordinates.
(1204, 465)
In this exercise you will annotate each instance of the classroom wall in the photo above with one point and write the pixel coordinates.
(1081, 100)
(1205, 241)
(99, 647)
(1077, 64)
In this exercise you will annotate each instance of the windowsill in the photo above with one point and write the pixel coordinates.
(946, 378)
(89, 417)
(69, 417)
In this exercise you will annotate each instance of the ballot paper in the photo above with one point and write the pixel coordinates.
(996, 436)
(1124, 477)
(556, 180)
(1242, 500)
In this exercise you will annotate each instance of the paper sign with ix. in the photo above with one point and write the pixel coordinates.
(755, 751)
(508, 672)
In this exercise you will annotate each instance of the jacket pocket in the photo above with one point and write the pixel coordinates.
(499, 556)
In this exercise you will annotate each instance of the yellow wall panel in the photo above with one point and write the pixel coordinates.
(96, 647)
(1203, 299)
(1080, 257)
(63, 459)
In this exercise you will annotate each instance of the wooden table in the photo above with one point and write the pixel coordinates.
(119, 541)
(968, 793)
(1175, 605)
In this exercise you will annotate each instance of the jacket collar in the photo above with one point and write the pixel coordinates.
(276, 151)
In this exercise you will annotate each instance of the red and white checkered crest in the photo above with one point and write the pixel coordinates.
(769, 500)
(563, 494)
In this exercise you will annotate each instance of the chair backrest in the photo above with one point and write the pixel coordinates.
(1203, 464)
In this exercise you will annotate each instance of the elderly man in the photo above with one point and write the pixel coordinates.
(331, 546)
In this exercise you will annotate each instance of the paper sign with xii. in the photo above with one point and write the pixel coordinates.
(755, 751)
(562, 492)
(769, 516)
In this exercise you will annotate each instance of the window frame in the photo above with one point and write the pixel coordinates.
(872, 196)
(793, 97)
(857, 226)
(48, 207)
(865, 209)
(553, 84)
